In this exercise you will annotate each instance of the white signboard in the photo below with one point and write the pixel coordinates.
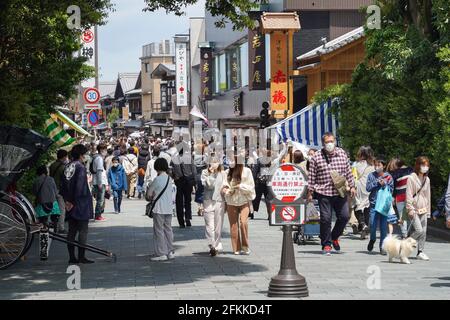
(288, 183)
(88, 51)
(181, 74)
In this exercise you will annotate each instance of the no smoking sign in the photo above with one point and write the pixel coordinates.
(288, 213)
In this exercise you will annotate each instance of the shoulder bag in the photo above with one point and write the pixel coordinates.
(151, 205)
(405, 210)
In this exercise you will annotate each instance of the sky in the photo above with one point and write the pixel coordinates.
(128, 29)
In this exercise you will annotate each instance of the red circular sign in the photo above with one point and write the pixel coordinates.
(288, 213)
(88, 36)
(288, 183)
(91, 95)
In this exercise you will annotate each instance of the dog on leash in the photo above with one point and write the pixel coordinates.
(399, 249)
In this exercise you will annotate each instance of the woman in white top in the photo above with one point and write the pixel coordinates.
(362, 168)
(212, 180)
(239, 191)
(418, 203)
(161, 187)
(150, 172)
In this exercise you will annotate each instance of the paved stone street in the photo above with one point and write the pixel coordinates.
(196, 275)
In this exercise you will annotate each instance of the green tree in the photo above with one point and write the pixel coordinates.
(113, 116)
(398, 101)
(38, 70)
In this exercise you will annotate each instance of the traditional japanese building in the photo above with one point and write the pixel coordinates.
(233, 104)
(333, 62)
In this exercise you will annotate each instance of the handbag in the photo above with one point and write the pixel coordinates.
(150, 206)
(339, 181)
(384, 201)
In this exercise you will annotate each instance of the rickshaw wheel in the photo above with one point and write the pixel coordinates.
(15, 237)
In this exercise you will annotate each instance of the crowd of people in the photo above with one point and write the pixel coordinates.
(73, 190)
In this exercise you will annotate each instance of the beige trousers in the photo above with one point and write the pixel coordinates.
(238, 217)
(213, 213)
(131, 181)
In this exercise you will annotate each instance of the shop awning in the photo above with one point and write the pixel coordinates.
(308, 125)
(61, 116)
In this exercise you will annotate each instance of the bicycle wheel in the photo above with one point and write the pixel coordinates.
(14, 234)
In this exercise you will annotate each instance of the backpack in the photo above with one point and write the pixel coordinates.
(91, 165)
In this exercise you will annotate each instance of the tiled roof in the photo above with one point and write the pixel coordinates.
(334, 44)
(128, 81)
(107, 88)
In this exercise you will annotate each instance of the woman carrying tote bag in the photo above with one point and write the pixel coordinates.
(161, 191)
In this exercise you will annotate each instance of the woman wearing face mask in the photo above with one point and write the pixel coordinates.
(118, 182)
(375, 181)
(418, 203)
(212, 180)
(239, 190)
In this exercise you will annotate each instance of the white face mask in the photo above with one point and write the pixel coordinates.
(329, 146)
(115, 164)
(424, 169)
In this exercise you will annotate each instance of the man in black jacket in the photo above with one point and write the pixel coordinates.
(78, 202)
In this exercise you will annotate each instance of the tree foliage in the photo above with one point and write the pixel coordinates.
(233, 11)
(399, 98)
(113, 116)
(38, 69)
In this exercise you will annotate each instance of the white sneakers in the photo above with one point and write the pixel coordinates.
(158, 258)
(422, 256)
(170, 256)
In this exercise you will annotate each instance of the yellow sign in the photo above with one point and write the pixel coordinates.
(279, 73)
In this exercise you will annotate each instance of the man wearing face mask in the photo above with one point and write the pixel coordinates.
(330, 159)
(78, 202)
(99, 180)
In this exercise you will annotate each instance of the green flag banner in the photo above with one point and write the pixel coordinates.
(57, 133)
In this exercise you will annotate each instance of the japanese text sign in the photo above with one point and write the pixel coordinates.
(279, 73)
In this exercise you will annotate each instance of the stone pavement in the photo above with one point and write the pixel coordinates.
(196, 275)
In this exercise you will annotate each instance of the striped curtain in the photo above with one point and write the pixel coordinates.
(308, 125)
(55, 132)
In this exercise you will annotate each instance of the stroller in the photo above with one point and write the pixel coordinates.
(311, 228)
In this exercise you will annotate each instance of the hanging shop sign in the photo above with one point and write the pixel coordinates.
(206, 73)
(181, 74)
(238, 104)
(279, 73)
(88, 41)
(256, 60)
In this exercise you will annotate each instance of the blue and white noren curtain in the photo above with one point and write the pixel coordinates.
(308, 125)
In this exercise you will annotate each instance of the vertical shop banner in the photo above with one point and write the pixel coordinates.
(181, 74)
(279, 73)
(206, 73)
(256, 60)
(235, 70)
(88, 40)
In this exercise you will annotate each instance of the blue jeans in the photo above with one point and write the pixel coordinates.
(376, 218)
(117, 194)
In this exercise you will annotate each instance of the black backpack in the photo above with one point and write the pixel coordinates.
(91, 165)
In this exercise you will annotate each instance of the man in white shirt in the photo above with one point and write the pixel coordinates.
(130, 164)
(99, 181)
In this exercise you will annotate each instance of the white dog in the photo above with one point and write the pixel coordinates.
(401, 249)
